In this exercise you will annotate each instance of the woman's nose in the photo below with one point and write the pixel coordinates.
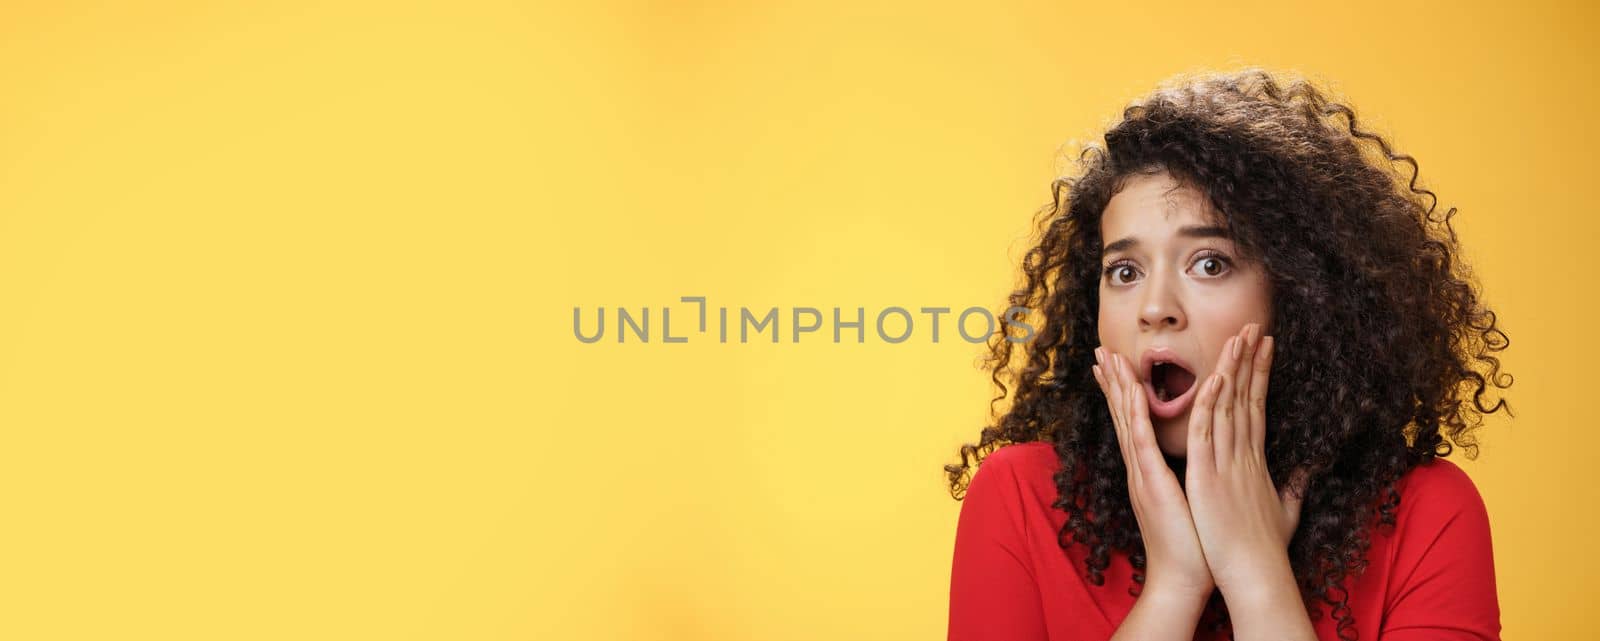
(1160, 307)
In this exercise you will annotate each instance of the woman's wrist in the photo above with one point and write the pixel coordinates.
(1175, 588)
(1175, 596)
(1273, 586)
(1160, 615)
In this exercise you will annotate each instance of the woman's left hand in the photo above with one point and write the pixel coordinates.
(1244, 523)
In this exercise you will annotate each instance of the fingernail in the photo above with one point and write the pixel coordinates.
(1238, 347)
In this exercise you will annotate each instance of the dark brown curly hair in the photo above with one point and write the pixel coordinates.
(1384, 349)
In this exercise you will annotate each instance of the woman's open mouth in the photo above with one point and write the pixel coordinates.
(1171, 389)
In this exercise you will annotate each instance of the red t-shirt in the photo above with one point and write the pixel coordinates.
(1431, 578)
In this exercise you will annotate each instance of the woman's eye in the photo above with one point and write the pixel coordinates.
(1212, 265)
(1121, 274)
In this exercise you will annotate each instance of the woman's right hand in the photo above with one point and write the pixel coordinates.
(1175, 564)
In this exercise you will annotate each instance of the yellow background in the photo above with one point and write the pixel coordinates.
(286, 349)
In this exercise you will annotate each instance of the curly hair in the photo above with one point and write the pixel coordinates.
(1384, 347)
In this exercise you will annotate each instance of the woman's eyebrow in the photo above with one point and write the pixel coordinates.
(1190, 231)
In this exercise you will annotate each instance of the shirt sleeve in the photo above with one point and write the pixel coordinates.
(993, 594)
(1445, 587)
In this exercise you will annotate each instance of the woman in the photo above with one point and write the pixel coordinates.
(1258, 341)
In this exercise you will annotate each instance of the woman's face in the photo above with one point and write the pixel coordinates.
(1173, 289)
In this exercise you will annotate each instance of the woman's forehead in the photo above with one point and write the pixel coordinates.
(1156, 206)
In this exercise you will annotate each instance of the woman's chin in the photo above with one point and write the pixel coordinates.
(1172, 435)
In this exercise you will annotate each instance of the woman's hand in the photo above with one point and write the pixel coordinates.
(1174, 562)
(1244, 523)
